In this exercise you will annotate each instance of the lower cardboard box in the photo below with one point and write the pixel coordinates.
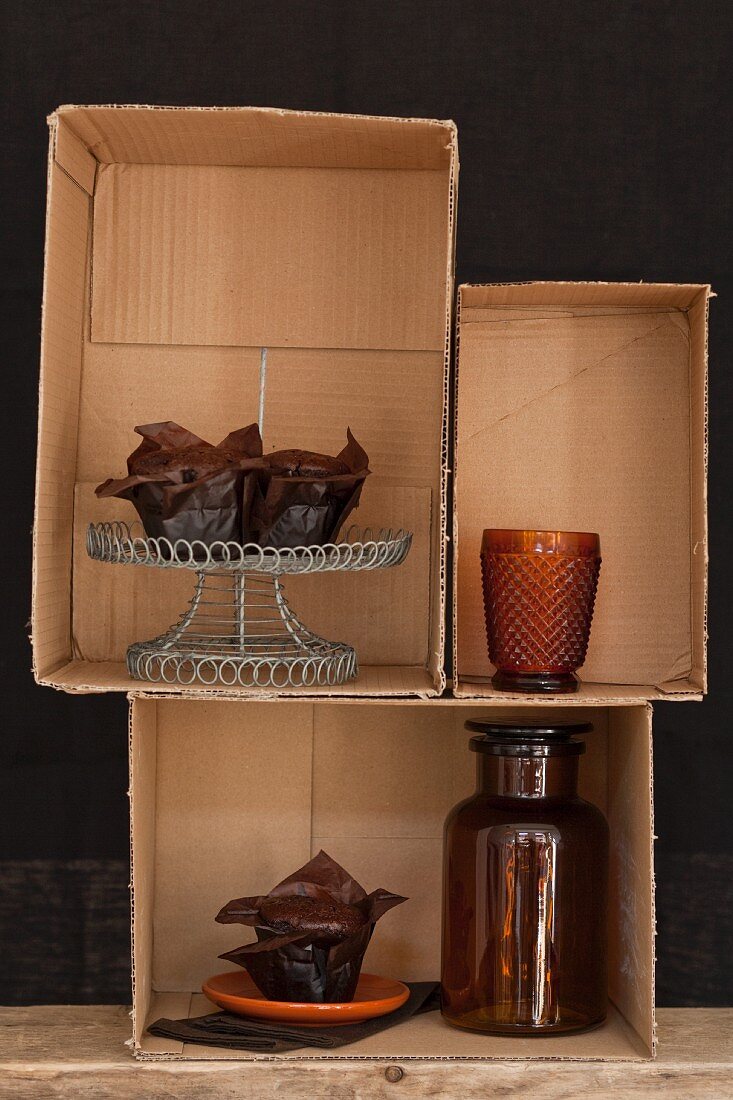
(228, 798)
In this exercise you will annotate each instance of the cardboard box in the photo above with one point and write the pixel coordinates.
(583, 407)
(212, 819)
(179, 242)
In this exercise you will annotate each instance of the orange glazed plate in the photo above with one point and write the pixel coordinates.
(236, 992)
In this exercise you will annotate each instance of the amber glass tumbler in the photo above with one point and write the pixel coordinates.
(539, 592)
(525, 882)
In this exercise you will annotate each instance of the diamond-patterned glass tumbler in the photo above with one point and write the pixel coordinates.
(539, 592)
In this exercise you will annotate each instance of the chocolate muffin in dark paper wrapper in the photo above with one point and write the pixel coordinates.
(186, 488)
(304, 510)
(314, 966)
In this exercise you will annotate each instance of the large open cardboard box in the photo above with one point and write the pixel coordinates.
(229, 798)
(582, 407)
(179, 243)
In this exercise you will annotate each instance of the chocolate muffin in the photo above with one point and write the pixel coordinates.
(189, 463)
(330, 920)
(313, 929)
(295, 463)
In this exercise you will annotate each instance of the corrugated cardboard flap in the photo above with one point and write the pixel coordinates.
(260, 137)
(280, 257)
(74, 157)
(374, 681)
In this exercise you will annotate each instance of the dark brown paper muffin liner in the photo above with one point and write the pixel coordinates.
(309, 511)
(215, 508)
(296, 966)
(243, 503)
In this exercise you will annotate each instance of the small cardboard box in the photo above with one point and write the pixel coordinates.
(213, 819)
(179, 243)
(583, 407)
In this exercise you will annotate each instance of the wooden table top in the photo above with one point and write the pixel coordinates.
(81, 1050)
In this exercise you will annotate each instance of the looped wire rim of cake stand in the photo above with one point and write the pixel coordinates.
(239, 630)
(362, 548)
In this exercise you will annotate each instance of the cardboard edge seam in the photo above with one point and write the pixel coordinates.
(130, 795)
(440, 679)
(284, 112)
(652, 839)
(52, 127)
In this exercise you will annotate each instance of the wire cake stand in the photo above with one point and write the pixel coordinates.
(239, 628)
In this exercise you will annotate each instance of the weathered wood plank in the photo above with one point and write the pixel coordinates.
(48, 1052)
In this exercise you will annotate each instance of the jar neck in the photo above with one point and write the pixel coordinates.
(528, 776)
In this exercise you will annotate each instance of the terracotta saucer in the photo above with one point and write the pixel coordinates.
(236, 992)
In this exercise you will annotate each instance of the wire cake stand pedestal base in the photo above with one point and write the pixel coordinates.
(239, 629)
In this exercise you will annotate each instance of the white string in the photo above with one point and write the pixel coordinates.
(263, 373)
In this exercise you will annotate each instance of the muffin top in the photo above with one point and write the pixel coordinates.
(295, 463)
(190, 462)
(330, 920)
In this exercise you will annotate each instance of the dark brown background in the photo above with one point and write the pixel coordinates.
(594, 141)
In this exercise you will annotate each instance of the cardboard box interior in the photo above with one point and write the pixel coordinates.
(180, 242)
(228, 798)
(582, 407)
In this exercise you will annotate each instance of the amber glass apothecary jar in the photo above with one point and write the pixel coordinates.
(539, 593)
(525, 884)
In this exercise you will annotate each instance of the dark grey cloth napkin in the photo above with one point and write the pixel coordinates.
(223, 1029)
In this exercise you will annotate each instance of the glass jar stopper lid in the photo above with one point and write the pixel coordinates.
(530, 736)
